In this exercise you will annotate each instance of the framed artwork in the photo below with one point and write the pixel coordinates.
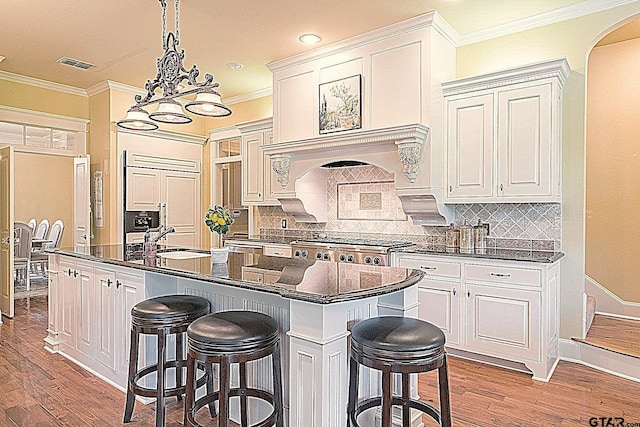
(340, 105)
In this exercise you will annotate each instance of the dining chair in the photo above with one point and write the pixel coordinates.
(42, 229)
(41, 259)
(22, 255)
(33, 223)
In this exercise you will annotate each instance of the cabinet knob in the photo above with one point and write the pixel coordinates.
(454, 292)
(108, 283)
(75, 273)
(501, 187)
(468, 294)
(69, 272)
(118, 283)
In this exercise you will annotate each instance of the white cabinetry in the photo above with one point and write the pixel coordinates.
(256, 166)
(91, 315)
(501, 309)
(503, 135)
(175, 194)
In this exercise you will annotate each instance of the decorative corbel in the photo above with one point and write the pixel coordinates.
(280, 165)
(410, 153)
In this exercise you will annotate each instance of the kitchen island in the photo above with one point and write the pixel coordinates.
(315, 303)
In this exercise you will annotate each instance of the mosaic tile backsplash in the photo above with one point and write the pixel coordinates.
(361, 202)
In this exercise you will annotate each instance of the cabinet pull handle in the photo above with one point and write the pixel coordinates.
(118, 283)
(75, 273)
(278, 253)
(454, 292)
(108, 283)
(69, 272)
(500, 275)
(428, 268)
(468, 294)
(501, 187)
(450, 188)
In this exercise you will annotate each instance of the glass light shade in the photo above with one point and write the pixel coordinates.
(170, 111)
(208, 103)
(137, 119)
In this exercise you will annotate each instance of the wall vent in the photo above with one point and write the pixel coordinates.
(75, 63)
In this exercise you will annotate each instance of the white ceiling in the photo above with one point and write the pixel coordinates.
(123, 37)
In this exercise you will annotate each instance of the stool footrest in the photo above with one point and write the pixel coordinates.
(395, 401)
(168, 392)
(236, 392)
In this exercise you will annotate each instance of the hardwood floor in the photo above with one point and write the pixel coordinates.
(41, 389)
(615, 334)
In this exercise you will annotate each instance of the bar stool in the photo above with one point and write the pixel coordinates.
(233, 337)
(402, 345)
(162, 316)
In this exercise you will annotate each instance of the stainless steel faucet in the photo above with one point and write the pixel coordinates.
(147, 234)
(164, 233)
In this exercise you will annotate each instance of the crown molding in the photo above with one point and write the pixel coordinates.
(557, 68)
(577, 10)
(267, 91)
(44, 84)
(427, 20)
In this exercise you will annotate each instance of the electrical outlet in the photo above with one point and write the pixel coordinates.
(283, 223)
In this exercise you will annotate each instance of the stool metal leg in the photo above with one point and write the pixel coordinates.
(445, 404)
(160, 379)
(386, 397)
(133, 365)
(179, 356)
(277, 386)
(352, 400)
(406, 395)
(223, 415)
(190, 391)
(243, 396)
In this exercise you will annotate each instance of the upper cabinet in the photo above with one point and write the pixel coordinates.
(256, 165)
(396, 67)
(503, 133)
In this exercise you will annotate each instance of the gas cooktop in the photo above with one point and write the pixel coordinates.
(390, 244)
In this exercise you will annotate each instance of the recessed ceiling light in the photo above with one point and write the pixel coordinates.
(310, 38)
(234, 65)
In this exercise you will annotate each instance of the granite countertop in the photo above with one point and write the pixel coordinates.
(281, 240)
(525, 255)
(322, 282)
(489, 253)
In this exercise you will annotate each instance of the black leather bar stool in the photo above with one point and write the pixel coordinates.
(397, 345)
(162, 316)
(233, 337)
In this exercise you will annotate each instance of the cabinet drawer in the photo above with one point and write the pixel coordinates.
(432, 267)
(499, 274)
(277, 250)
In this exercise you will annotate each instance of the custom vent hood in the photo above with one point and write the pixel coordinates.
(300, 178)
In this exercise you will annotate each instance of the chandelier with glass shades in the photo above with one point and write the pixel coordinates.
(170, 79)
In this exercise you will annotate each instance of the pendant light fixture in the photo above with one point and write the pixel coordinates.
(171, 73)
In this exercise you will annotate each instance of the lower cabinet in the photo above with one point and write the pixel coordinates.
(92, 315)
(506, 310)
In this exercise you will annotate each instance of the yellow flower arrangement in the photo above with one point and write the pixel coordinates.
(218, 219)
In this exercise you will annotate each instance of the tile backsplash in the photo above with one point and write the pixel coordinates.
(361, 201)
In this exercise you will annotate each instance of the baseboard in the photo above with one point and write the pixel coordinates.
(610, 304)
(610, 362)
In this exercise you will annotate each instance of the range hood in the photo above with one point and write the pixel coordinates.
(299, 179)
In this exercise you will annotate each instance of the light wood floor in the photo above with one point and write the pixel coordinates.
(41, 389)
(615, 334)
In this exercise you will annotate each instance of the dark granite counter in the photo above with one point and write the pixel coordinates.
(282, 240)
(322, 282)
(489, 253)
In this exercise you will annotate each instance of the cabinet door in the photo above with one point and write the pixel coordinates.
(143, 189)
(105, 317)
(129, 290)
(525, 142)
(67, 305)
(252, 276)
(86, 310)
(470, 147)
(440, 304)
(181, 207)
(252, 168)
(503, 322)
